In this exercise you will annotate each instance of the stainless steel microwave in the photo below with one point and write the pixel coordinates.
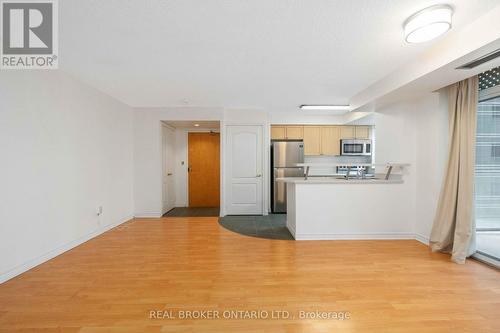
(356, 147)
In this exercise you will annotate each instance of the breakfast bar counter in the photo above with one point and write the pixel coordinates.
(327, 208)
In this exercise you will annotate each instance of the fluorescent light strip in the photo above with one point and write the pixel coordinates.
(326, 107)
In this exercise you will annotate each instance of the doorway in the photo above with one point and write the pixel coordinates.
(204, 169)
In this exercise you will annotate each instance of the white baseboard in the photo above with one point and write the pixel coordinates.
(291, 229)
(368, 236)
(58, 251)
(146, 215)
(422, 239)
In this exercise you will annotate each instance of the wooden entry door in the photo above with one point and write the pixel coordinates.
(204, 169)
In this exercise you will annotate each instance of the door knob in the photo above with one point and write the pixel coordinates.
(259, 175)
(169, 174)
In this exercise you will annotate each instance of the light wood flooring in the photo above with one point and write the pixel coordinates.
(113, 282)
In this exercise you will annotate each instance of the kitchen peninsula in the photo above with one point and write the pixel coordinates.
(359, 207)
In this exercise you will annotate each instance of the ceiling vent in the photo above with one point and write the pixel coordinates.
(481, 60)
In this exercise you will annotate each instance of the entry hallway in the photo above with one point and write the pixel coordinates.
(112, 282)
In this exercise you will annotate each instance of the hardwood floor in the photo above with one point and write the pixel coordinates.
(113, 282)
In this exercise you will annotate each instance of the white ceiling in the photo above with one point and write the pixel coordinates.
(271, 54)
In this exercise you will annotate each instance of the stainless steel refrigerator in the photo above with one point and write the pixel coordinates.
(284, 157)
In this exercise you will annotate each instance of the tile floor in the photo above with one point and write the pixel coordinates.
(193, 212)
(272, 226)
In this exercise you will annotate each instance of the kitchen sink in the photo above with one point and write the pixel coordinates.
(354, 178)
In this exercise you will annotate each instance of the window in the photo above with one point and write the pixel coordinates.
(487, 177)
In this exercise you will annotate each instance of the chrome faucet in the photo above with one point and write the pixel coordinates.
(348, 173)
(361, 173)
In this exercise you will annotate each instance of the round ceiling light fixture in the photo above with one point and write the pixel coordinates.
(428, 23)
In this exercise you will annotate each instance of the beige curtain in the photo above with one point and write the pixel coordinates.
(454, 227)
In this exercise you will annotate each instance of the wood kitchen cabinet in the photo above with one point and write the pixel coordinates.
(362, 132)
(354, 132)
(287, 132)
(347, 132)
(312, 140)
(278, 132)
(294, 132)
(320, 139)
(330, 140)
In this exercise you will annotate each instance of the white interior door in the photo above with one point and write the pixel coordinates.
(244, 170)
(168, 163)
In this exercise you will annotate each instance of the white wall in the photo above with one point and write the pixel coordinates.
(396, 142)
(66, 149)
(432, 153)
(416, 132)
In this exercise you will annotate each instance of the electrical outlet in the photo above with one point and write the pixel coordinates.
(99, 211)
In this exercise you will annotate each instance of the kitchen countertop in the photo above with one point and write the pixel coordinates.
(336, 180)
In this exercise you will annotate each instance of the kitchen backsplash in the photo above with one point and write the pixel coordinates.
(333, 159)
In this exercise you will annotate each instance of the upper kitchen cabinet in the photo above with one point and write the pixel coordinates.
(312, 140)
(354, 132)
(330, 140)
(278, 133)
(287, 132)
(320, 139)
(294, 132)
(347, 132)
(362, 132)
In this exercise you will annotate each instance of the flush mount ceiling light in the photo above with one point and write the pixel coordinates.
(326, 107)
(428, 24)
(196, 125)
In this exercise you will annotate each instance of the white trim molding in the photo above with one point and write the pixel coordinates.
(141, 215)
(361, 236)
(422, 239)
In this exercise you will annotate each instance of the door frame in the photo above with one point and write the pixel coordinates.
(264, 160)
(163, 164)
